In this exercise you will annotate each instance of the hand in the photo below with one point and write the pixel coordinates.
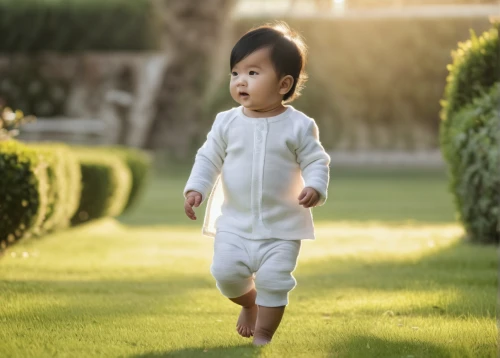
(193, 198)
(308, 198)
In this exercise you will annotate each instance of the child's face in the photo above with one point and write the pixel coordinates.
(254, 82)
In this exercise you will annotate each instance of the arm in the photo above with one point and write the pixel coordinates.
(314, 162)
(208, 162)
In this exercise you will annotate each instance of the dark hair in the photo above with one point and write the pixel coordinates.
(288, 53)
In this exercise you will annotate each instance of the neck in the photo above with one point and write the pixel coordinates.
(265, 112)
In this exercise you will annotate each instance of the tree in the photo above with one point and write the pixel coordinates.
(192, 33)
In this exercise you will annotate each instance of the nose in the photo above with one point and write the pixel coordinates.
(241, 81)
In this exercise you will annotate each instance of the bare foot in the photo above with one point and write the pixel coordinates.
(267, 323)
(260, 341)
(246, 322)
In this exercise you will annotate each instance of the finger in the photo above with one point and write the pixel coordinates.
(311, 202)
(316, 198)
(190, 214)
(305, 199)
(197, 201)
(190, 200)
(302, 194)
(189, 211)
(314, 202)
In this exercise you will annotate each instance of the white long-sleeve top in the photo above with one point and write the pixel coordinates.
(255, 169)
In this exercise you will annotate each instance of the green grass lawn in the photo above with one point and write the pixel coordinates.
(354, 195)
(388, 276)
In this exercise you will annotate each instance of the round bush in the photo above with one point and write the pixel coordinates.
(475, 68)
(475, 167)
(106, 183)
(23, 192)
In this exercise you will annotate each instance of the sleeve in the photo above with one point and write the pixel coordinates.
(314, 162)
(208, 162)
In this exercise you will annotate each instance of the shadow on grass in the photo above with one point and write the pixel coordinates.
(368, 346)
(469, 271)
(216, 352)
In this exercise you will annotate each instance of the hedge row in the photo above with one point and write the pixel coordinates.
(48, 187)
(33, 25)
(469, 135)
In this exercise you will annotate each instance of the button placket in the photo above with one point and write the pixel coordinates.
(255, 176)
(261, 135)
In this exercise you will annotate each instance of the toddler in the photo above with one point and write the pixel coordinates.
(263, 168)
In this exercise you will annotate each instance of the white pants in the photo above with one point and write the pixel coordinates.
(241, 264)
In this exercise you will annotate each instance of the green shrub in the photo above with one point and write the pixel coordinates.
(64, 184)
(32, 25)
(74, 189)
(23, 192)
(475, 68)
(139, 163)
(56, 184)
(475, 167)
(106, 183)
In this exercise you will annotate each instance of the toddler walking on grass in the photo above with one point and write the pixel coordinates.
(264, 168)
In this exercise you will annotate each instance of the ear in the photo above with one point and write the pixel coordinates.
(286, 84)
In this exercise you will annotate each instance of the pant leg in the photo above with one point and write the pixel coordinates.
(231, 265)
(274, 279)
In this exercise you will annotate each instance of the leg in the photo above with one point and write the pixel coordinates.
(274, 281)
(268, 320)
(248, 315)
(235, 280)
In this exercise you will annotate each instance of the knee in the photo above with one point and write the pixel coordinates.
(225, 273)
(275, 281)
(221, 272)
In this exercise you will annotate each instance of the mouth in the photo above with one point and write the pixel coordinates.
(243, 94)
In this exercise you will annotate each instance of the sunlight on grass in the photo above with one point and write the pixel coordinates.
(357, 239)
(372, 289)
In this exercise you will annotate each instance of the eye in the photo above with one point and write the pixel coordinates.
(234, 73)
(252, 73)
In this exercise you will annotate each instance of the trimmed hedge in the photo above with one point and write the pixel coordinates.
(106, 184)
(139, 163)
(64, 184)
(23, 192)
(475, 167)
(475, 68)
(56, 184)
(469, 133)
(49, 186)
(33, 25)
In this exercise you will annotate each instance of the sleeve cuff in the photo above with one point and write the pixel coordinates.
(199, 188)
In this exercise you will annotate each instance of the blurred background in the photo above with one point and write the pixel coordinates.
(152, 74)
(406, 94)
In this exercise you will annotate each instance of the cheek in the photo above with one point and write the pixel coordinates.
(232, 87)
